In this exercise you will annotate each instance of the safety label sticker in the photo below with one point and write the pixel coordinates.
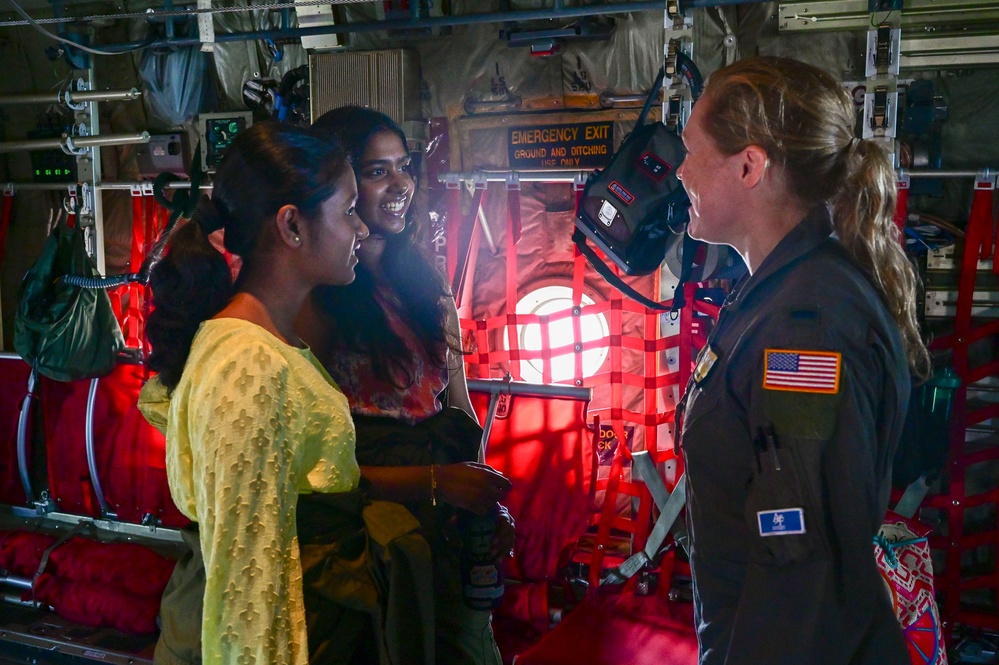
(785, 522)
(618, 190)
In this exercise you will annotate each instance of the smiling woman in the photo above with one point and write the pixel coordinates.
(251, 421)
(391, 342)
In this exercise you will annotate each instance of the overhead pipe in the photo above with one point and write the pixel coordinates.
(430, 22)
(609, 98)
(133, 185)
(71, 97)
(74, 144)
(507, 386)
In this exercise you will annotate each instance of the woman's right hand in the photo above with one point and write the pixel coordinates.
(472, 486)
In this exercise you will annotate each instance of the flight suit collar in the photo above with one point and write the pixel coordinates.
(811, 232)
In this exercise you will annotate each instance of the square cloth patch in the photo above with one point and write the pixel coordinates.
(802, 371)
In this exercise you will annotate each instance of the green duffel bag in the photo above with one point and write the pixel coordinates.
(65, 332)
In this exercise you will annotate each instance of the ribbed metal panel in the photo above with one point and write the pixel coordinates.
(387, 81)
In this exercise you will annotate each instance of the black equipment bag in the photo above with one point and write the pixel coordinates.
(636, 211)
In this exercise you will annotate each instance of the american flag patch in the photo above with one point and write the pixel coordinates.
(802, 371)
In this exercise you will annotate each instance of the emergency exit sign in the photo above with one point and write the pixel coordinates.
(577, 146)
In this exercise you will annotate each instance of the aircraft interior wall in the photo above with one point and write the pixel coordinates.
(475, 89)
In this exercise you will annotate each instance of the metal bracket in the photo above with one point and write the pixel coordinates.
(884, 6)
(141, 189)
(985, 180)
(452, 181)
(880, 111)
(579, 182)
(479, 181)
(884, 49)
(44, 505)
(70, 148)
(513, 181)
(8, 189)
(206, 26)
(69, 203)
(65, 97)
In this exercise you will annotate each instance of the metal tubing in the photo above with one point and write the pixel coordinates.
(16, 582)
(22, 439)
(15, 599)
(431, 22)
(95, 480)
(947, 173)
(576, 176)
(608, 98)
(71, 97)
(502, 387)
(78, 142)
(524, 176)
(487, 427)
(43, 186)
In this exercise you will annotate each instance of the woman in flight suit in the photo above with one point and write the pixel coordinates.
(805, 379)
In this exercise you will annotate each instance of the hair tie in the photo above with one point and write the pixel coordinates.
(208, 216)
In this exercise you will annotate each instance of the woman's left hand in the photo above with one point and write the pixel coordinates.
(505, 535)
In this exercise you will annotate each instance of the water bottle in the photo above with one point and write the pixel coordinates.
(481, 576)
(939, 391)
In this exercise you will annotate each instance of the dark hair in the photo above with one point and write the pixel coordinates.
(804, 120)
(269, 166)
(352, 314)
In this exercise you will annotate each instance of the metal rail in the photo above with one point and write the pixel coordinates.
(498, 175)
(73, 144)
(70, 97)
(46, 186)
(95, 479)
(22, 439)
(497, 387)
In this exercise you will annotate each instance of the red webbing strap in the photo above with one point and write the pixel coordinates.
(133, 317)
(606, 518)
(978, 237)
(650, 394)
(6, 210)
(463, 239)
(902, 207)
(513, 200)
(512, 236)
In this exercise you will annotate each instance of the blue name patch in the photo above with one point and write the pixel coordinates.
(781, 522)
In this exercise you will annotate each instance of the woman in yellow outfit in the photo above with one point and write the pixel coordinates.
(251, 418)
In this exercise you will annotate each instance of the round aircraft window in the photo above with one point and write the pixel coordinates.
(549, 300)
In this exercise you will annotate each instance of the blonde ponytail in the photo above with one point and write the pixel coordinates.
(864, 218)
(803, 118)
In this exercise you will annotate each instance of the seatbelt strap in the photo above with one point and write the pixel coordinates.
(669, 506)
(80, 528)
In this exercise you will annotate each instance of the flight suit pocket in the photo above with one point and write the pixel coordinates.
(781, 515)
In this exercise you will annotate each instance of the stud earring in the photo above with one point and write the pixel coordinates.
(296, 239)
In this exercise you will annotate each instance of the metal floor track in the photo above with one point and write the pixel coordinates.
(29, 635)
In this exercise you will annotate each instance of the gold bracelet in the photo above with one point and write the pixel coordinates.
(433, 485)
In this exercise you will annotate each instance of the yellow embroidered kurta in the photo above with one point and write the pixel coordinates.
(252, 423)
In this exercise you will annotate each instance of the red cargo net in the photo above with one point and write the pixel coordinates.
(968, 582)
